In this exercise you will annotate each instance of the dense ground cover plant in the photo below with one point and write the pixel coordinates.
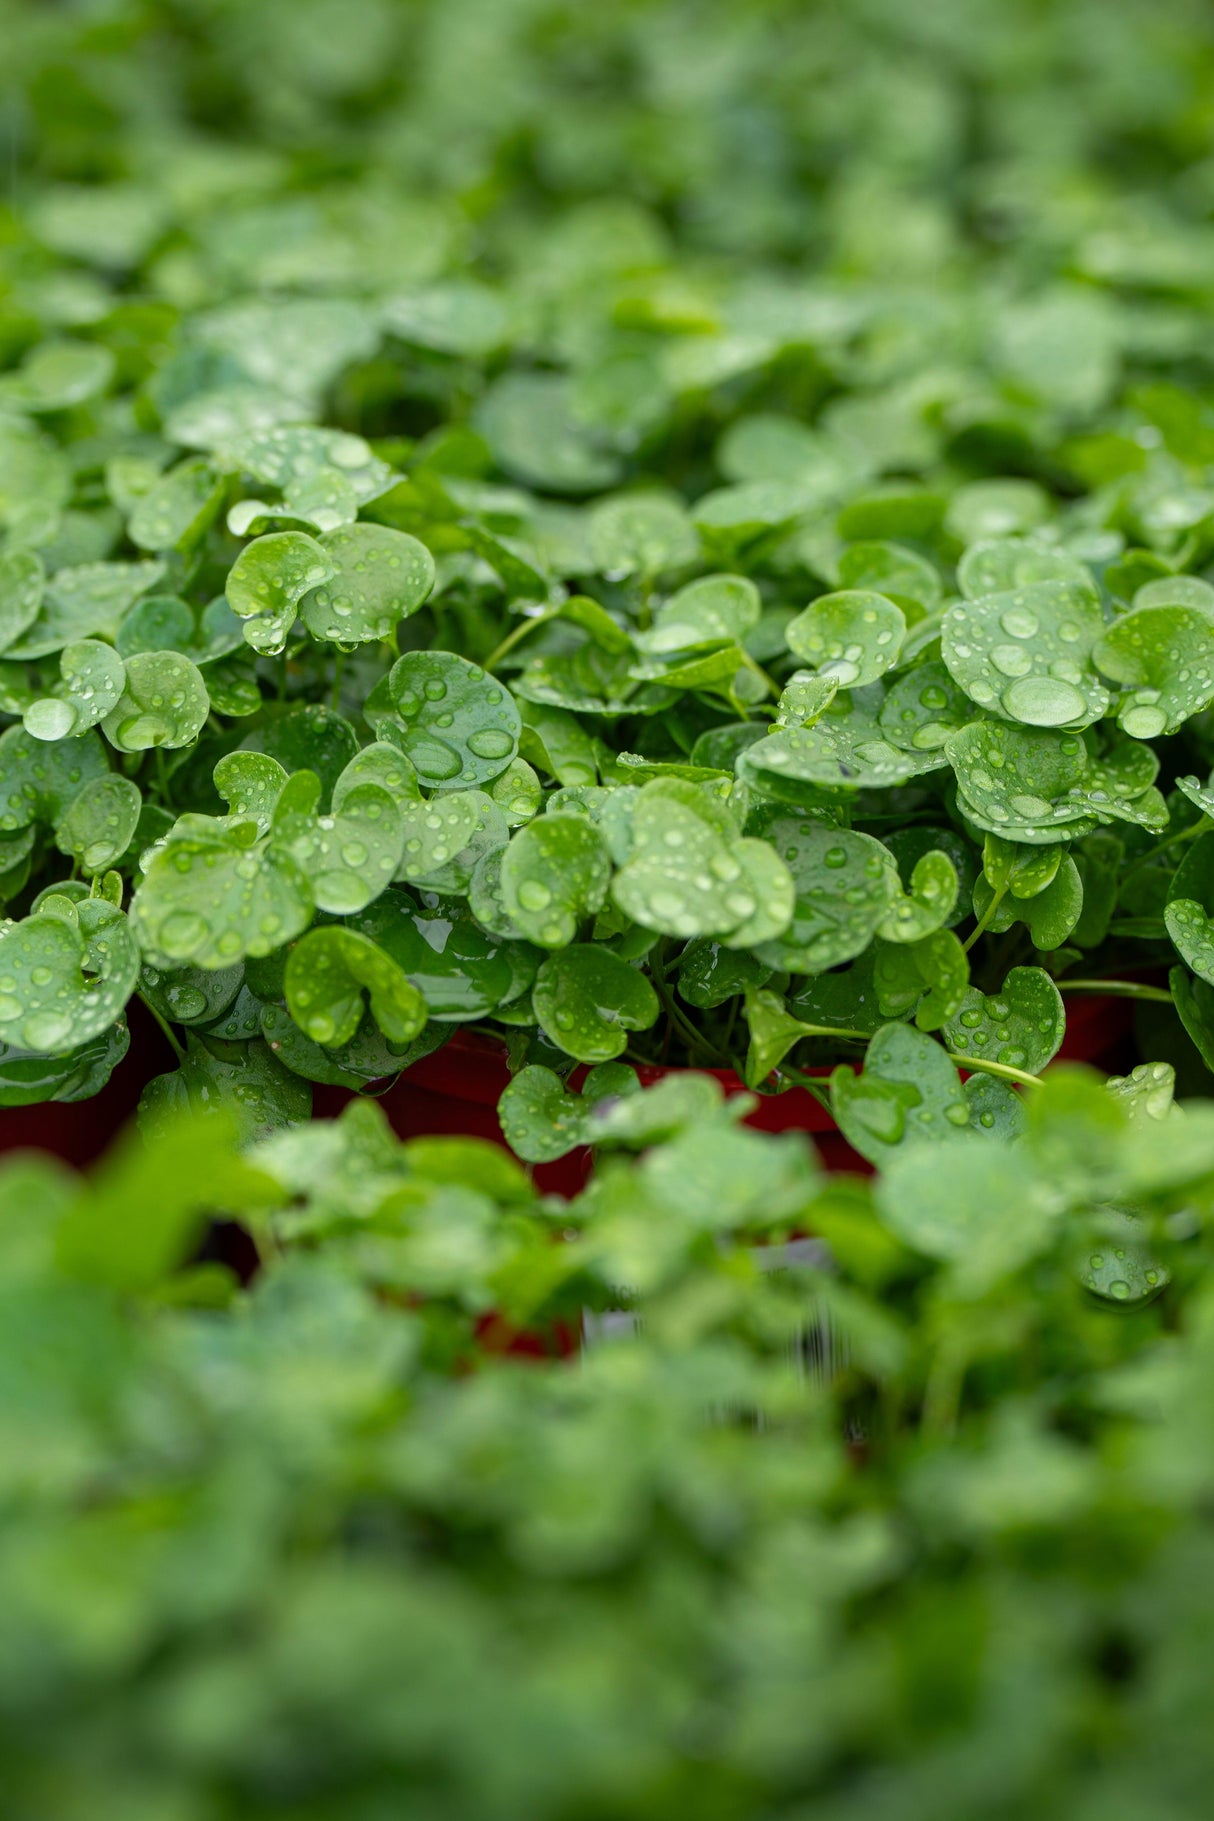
(923, 1531)
(443, 592)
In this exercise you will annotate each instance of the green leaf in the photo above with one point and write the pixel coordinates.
(969, 1206)
(459, 725)
(461, 972)
(309, 737)
(377, 577)
(1051, 915)
(541, 1121)
(55, 375)
(529, 423)
(1189, 914)
(929, 976)
(1023, 1025)
(893, 570)
(1026, 653)
(212, 895)
(710, 974)
(773, 1033)
(849, 750)
(99, 824)
(348, 856)
(38, 780)
(922, 708)
(713, 607)
(327, 973)
(240, 1086)
(447, 838)
(28, 1078)
(91, 681)
(164, 702)
(268, 581)
(1164, 658)
(854, 636)
(84, 601)
(1023, 783)
(177, 512)
(555, 873)
(1001, 565)
(250, 783)
(929, 904)
(191, 995)
(518, 793)
(66, 972)
(641, 534)
(689, 873)
(908, 1095)
(21, 586)
(1119, 1266)
(587, 1000)
(846, 885)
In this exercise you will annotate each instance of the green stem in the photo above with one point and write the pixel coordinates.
(162, 778)
(1002, 1070)
(1200, 827)
(1117, 989)
(694, 1039)
(512, 638)
(769, 683)
(984, 920)
(339, 664)
(165, 1026)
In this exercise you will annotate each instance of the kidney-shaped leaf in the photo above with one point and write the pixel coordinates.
(854, 636)
(164, 703)
(99, 824)
(1022, 1026)
(377, 577)
(587, 1000)
(348, 856)
(460, 725)
(554, 874)
(211, 896)
(1164, 658)
(91, 680)
(1026, 653)
(65, 974)
(327, 974)
(269, 579)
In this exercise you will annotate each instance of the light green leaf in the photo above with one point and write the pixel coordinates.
(269, 579)
(164, 702)
(555, 873)
(854, 636)
(377, 577)
(1027, 653)
(212, 895)
(66, 972)
(91, 681)
(348, 856)
(99, 823)
(587, 1000)
(1022, 1026)
(460, 726)
(1164, 658)
(327, 973)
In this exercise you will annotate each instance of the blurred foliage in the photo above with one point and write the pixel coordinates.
(916, 1526)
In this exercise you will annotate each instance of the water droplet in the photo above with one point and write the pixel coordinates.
(1044, 701)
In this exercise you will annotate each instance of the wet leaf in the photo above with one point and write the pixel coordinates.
(377, 577)
(1189, 915)
(846, 885)
(854, 636)
(268, 581)
(541, 1121)
(447, 838)
(587, 1001)
(328, 971)
(555, 874)
(1163, 657)
(459, 725)
(349, 855)
(99, 823)
(91, 681)
(909, 1094)
(164, 702)
(1027, 653)
(66, 973)
(214, 894)
(1022, 1026)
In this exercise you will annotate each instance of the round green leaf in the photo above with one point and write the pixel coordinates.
(1004, 564)
(908, 1094)
(849, 750)
(446, 839)
(460, 725)
(84, 601)
(1026, 653)
(929, 903)
(210, 898)
(460, 971)
(21, 585)
(1022, 1026)
(348, 856)
(1019, 781)
(845, 884)
(1164, 658)
(377, 577)
(65, 975)
(250, 783)
(854, 636)
(55, 375)
(1189, 913)
(528, 420)
(922, 708)
(518, 793)
(91, 681)
(164, 703)
(99, 823)
(892, 570)
(587, 1000)
(177, 512)
(328, 971)
(995, 509)
(555, 873)
(38, 780)
(928, 976)
(689, 874)
(712, 608)
(244, 1080)
(639, 534)
(269, 579)
(191, 995)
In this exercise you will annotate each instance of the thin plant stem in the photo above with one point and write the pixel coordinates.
(983, 923)
(1003, 1071)
(513, 637)
(165, 1026)
(1118, 989)
(339, 665)
(1200, 827)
